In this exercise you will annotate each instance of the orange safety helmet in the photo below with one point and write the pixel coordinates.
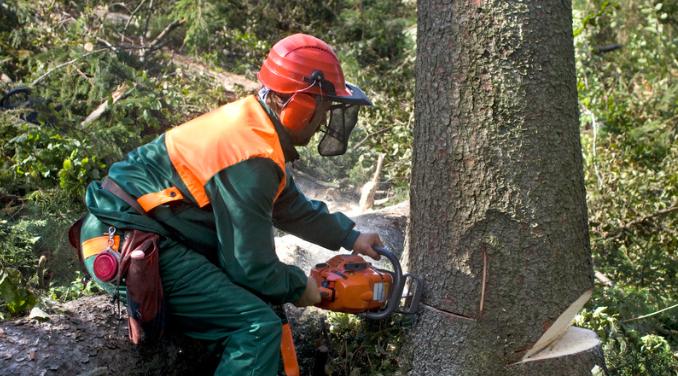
(306, 67)
(291, 61)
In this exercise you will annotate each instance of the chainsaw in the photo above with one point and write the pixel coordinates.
(348, 283)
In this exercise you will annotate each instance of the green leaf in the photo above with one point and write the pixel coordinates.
(8, 289)
(39, 314)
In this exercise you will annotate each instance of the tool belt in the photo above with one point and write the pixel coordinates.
(135, 264)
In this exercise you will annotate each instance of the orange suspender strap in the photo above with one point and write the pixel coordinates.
(151, 200)
(97, 245)
(289, 355)
(147, 202)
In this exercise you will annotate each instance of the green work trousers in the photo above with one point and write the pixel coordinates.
(205, 304)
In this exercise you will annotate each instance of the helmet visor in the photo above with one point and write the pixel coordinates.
(343, 118)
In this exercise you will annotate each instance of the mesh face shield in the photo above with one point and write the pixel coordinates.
(343, 118)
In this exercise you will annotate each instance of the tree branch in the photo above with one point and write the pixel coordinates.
(648, 217)
(64, 64)
(651, 314)
(122, 35)
(356, 146)
(115, 96)
(653, 215)
(316, 181)
(165, 32)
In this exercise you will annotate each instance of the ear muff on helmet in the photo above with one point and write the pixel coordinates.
(298, 111)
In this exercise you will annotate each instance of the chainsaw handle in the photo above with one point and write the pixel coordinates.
(396, 291)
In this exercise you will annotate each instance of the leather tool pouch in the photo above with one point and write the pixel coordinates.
(140, 272)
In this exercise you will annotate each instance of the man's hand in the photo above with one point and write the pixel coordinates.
(311, 294)
(363, 245)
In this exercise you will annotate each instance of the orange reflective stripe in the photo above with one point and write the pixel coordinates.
(289, 355)
(238, 131)
(94, 246)
(151, 200)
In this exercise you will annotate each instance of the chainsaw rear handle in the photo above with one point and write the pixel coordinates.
(396, 291)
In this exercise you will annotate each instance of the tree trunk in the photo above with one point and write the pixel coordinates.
(498, 224)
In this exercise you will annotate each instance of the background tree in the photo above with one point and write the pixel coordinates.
(498, 225)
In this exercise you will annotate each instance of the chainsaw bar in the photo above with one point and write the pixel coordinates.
(411, 296)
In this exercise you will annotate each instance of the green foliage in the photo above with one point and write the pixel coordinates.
(365, 347)
(629, 97)
(626, 352)
(16, 242)
(619, 88)
(16, 298)
(82, 285)
(63, 150)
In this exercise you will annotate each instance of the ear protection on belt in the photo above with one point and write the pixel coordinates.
(298, 111)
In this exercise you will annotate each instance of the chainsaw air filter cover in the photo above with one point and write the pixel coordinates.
(347, 283)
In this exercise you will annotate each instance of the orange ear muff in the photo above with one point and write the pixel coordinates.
(298, 111)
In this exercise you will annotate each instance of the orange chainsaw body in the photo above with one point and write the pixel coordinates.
(349, 284)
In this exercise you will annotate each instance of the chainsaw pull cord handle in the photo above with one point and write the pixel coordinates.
(396, 291)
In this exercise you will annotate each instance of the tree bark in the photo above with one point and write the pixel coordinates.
(498, 225)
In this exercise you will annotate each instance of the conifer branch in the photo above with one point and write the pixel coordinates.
(65, 64)
(651, 216)
(361, 142)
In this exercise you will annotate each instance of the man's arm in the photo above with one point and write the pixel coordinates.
(242, 198)
(312, 221)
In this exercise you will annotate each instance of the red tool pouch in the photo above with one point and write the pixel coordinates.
(140, 272)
